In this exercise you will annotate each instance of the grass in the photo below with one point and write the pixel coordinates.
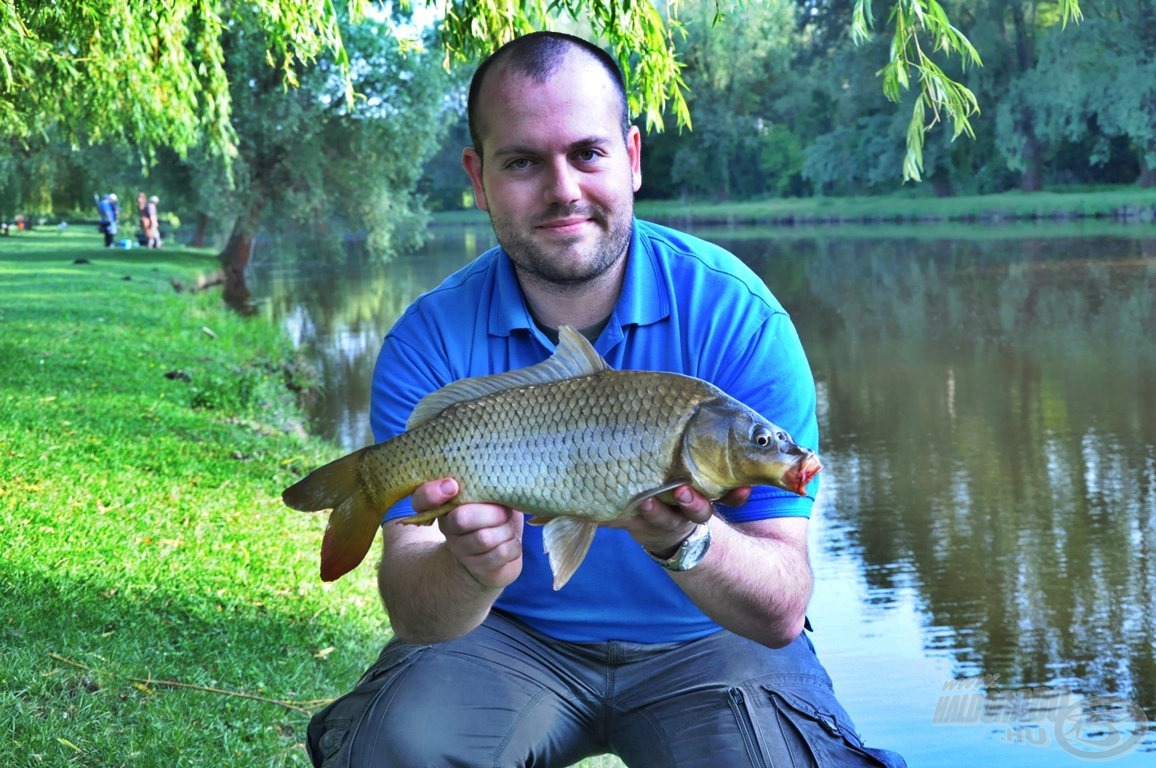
(159, 606)
(144, 536)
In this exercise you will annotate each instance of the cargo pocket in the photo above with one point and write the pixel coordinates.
(331, 730)
(329, 745)
(819, 722)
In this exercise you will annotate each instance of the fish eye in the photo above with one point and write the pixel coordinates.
(761, 436)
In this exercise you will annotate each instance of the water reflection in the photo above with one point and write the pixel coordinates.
(340, 313)
(989, 427)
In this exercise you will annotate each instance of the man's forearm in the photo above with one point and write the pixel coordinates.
(754, 583)
(429, 596)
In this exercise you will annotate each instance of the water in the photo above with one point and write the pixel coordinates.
(984, 542)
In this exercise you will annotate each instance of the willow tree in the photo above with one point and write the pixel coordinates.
(145, 73)
(315, 170)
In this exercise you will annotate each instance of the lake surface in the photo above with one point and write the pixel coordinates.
(984, 541)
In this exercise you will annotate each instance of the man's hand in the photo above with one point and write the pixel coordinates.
(660, 528)
(485, 539)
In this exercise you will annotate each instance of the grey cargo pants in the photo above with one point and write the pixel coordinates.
(505, 695)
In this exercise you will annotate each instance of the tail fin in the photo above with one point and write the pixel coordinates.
(355, 517)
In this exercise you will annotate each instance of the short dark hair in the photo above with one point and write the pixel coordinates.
(538, 55)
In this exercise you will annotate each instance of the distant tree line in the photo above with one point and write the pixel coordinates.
(785, 103)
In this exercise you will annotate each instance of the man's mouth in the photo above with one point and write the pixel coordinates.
(564, 226)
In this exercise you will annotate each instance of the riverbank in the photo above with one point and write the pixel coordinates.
(915, 206)
(160, 605)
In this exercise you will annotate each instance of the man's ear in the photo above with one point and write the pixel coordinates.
(634, 150)
(472, 162)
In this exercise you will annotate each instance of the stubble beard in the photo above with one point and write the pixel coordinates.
(567, 266)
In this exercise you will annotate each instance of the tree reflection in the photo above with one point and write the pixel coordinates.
(990, 424)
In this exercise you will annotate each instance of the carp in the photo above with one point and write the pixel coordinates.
(570, 441)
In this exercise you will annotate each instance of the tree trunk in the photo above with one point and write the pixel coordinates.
(201, 233)
(1147, 178)
(234, 260)
(941, 183)
(1032, 180)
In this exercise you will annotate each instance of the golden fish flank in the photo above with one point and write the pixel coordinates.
(570, 441)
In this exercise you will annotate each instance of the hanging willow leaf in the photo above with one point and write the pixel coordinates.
(639, 36)
(940, 97)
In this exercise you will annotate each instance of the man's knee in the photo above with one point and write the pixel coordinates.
(402, 739)
(363, 730)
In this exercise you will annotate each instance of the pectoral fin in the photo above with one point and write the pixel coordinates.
(661, 491)
(567, 541)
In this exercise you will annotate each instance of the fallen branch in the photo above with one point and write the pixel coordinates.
(143, 684)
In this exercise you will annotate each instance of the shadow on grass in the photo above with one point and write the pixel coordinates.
(82, 660)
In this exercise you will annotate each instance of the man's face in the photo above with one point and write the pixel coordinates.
(558, 177)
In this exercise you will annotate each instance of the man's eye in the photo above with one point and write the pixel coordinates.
(588, 155)
(519, 163)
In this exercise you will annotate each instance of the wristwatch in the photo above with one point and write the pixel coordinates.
(690, 553)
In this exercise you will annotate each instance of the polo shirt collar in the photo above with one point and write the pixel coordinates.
(645, 296)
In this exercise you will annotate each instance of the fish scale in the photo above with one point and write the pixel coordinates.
(570, 441)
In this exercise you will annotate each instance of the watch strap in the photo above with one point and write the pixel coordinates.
(690, 553)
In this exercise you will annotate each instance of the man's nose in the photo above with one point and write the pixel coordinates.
(562, 183)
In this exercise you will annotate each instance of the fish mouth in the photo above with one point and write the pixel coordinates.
(802, 472)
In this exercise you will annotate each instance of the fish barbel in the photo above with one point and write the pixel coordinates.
(570, 440)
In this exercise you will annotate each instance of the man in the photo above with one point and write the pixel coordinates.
(142, 204)
(678, 642)
(109, 211)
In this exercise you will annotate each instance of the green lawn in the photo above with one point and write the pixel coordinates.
(151, 576)
(916, 204)
(911, 205)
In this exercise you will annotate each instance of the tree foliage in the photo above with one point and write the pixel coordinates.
(1095, 85)
(318, 171)
(919, 30)
(730, 78)
(639, 34)
(146, 73)
(153, 73)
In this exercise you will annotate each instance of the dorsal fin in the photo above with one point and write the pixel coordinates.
(574, 357)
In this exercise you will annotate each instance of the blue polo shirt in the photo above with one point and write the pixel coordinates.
(686, 306)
